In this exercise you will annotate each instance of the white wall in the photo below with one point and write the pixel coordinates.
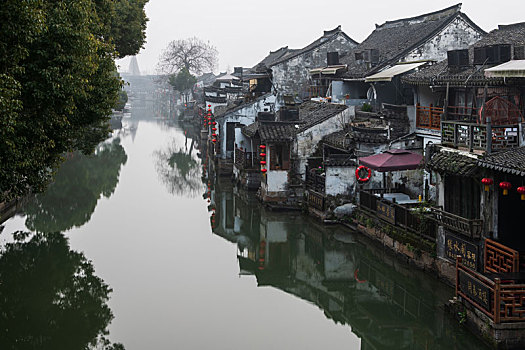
(307, 141)
(276, 180)
(340, 180)
(457, 35)
(246, 116)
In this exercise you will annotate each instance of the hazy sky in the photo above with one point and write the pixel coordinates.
(245, 31)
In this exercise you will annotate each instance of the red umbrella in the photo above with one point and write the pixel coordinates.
(392, 160)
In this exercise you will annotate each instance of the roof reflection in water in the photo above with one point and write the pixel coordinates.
(387, 304)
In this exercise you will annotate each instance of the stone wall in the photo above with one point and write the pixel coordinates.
(307, 141)
(459, 34)
(291, 76)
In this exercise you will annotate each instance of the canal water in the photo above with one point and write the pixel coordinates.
(141, 241)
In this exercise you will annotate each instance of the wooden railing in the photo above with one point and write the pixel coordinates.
(502, 301)
(398, 215)
(462, 113)
(474, 136)
(246, 160)
(316, 91)
(316, 200)
(499, 258)
(316, 182)
(428, 117)
(467, 227)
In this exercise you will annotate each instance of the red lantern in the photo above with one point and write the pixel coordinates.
(262, 147)
(263, 170)
(505, 186)
(209, 106)
(214, 140)
(263, 162)
(487, 182)
(262, 155)
(214, 129)
(214, 135)
(214, 123)
(521, 191)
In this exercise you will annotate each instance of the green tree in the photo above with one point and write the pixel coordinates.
(122, 100)
(128, 28)
(58, 82)
(182, 82)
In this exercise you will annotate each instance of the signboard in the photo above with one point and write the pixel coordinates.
(455, 246)
(386, 212)
(475, 290)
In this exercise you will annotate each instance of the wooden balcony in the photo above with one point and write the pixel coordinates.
(428, 117)
(473, 136)
(316, 91)
(316, 200)
(315, 182)
(399, 215)
(246, 160)
(500, 298)
(467, 227)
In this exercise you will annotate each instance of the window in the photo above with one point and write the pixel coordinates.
(280, 157)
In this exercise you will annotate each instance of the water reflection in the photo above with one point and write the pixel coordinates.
(385, 303)
(50, 297)
(79, 184)
(179, 168)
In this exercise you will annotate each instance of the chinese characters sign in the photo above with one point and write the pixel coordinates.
(386, 212)
(455, 246)
(475, 290)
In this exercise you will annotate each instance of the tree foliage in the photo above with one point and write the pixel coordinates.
(193, 54)
(58, 82)
(128, 28)
(182, 81)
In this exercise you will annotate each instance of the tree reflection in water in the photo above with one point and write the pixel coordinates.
(50, 297)
(79, 184)
(178, 168)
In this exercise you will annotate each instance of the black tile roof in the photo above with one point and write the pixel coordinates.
(337, 139)
(221, 111)
(395, 39)
(340, 160)
(271, 131)
(272, 57)
(327, 36)
(451, 162)
(513, 34)
(508, 161)
(311, 113)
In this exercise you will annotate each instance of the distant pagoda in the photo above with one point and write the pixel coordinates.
(134, 66)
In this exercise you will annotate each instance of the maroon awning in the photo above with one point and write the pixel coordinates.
(392, 160)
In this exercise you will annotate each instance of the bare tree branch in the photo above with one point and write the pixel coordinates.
(193, 54)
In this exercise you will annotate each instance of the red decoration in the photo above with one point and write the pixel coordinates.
(358, 176)
(263, 162)
(505, 186)
(214, 140)
(214, 129)
(214, 123)
(487, 182)
(209, 105)
(262, 147)
(263, 170)
(521, 191)
(214, 135)
(262, 155)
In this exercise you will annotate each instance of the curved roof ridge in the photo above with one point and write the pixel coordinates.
(439, 14)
